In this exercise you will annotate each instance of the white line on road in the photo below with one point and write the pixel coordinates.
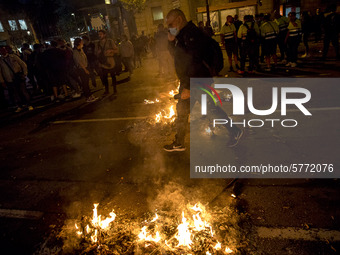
(98, 120)
(313, 234)
(145, 117)
(20, 214)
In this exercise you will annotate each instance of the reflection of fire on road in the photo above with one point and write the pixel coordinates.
(192, 233)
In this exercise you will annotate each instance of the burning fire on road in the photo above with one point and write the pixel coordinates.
(192, 232)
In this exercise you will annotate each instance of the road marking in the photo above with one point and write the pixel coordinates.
(98, 120)
(313, 234)
(20, 214)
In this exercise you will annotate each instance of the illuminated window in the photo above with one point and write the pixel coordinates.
(13, 25)
(157, 13)
(22, 24)
(1, 28)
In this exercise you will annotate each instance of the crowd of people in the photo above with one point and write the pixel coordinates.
(257, 38)
(62, 72)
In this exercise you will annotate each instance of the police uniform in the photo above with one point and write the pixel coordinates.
(229, 31)
(269, 32)
(282, 22)
(293, 40)
(248, 48)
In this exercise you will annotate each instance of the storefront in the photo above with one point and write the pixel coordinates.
(218, 14)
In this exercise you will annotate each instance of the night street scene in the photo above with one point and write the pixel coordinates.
(169, 127)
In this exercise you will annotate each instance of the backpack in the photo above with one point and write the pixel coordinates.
(251, 33)
(214, 60)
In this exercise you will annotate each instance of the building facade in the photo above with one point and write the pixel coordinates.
(15, 30)
(195, 10)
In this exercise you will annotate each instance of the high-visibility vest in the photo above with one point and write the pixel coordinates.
(269, 30)
(228, 31)
(295, 30)
(282, 22)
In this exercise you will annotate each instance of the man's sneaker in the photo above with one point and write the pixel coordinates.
(91, 99)
(174, 147)
(19, 109)
(293, 65)
(30, 108)
(236, 138)
(76, 95)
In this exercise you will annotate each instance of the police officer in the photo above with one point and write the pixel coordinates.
(293, 39)
(229, 40)
(282, 22)
(248, 36)
(269, 31)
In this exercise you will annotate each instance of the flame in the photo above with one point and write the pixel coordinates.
(228, 250)
(184, 234)
(155, 218)
(144, 236)
(218, 246)
(105, 223)
(172, 93)
(184, 238)
(78, 232)
(170, 116)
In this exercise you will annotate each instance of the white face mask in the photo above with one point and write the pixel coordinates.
(173, 31)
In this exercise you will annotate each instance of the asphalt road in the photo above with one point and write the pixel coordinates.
(60, 159)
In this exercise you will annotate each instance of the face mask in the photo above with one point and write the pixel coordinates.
(173, 31)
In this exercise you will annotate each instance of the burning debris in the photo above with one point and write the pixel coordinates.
(168, 114)
(193, 232)
(146, 101)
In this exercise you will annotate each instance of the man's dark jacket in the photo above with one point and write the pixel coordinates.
(190, 49)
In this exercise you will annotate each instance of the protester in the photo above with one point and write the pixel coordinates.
(269, 31)
(165, 60)
(293, 39)
(13, 72)
(307, 27)
(93, 67)
(127, 53)
(191, 52)
(318, 21)
(55, 63)
(248, 35)
(81, 63)
(229, 40)
(105, 51)
(332, 29)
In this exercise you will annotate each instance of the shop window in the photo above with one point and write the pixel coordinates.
(22, 24)
(1, 27)
(157, 13)
(13, 25)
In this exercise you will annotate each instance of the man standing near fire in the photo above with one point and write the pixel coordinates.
(191, 50)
